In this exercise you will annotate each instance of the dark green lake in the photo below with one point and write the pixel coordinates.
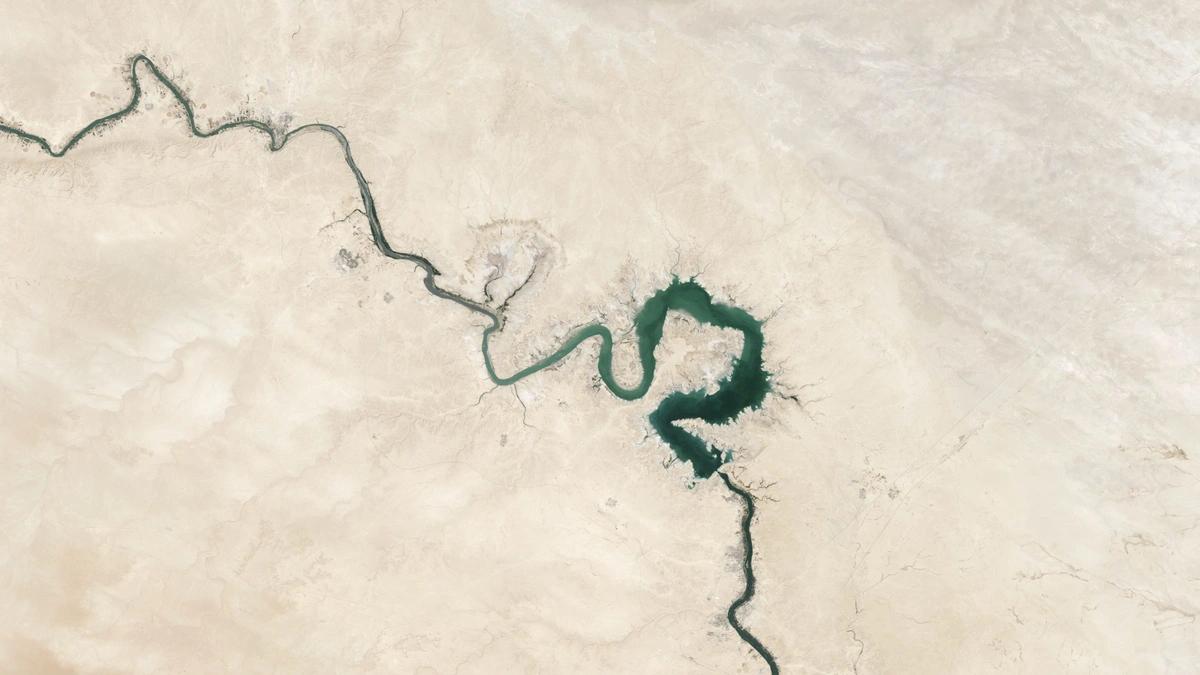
(744, 389)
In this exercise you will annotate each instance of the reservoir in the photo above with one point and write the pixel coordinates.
(744, 389)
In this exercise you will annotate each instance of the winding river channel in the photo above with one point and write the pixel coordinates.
(745, 388)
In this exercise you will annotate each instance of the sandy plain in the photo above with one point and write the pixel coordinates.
(233, 438)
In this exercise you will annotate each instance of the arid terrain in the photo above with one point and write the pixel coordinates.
(236, 438)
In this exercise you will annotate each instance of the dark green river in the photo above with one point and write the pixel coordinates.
(744, 389)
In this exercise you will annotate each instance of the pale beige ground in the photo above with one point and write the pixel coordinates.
(226, 446)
